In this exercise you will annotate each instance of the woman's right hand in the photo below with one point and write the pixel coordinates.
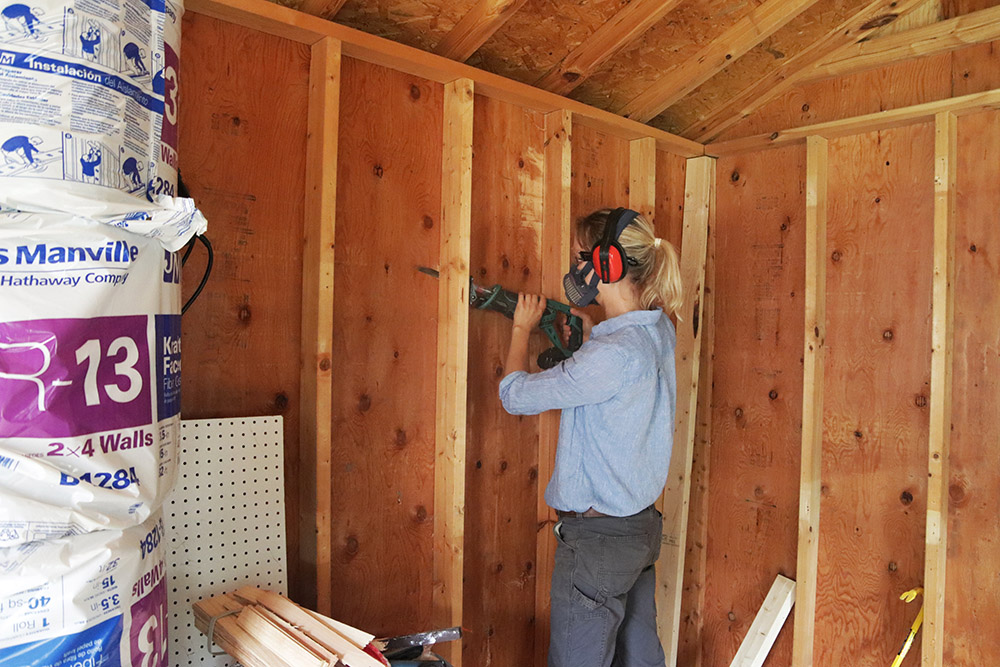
(585, 319)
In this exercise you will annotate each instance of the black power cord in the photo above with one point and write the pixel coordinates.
(208, 267)
(183, 192)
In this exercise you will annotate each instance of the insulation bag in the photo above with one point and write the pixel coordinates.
(88, 106)
(89, 374)
(85, 600)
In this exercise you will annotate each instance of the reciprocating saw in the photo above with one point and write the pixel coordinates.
(505, 302)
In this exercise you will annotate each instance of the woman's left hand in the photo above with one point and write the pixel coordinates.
(529, 311)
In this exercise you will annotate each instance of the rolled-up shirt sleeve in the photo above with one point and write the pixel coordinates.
(594, 374)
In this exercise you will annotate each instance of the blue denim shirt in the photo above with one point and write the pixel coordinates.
(617, 395)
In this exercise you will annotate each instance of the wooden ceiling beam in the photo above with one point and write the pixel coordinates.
(749, 31)
(614, 35)
(792, 71)
(475, 28)
(941, 37)
(324, 8)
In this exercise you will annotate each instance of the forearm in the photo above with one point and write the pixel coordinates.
(517, 355)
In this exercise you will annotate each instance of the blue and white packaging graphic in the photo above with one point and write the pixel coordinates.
(88, 108)
(91, 599)
(90, 374)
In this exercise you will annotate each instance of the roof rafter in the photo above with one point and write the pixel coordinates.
(614, 35)
(752, 29)
(941, 37)
(324, 8)
(476, 27)
(856, 27)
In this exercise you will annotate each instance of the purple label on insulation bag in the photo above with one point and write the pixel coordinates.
(67, 377)
(148, 632)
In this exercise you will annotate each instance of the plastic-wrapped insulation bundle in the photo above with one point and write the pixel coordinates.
(89, 326)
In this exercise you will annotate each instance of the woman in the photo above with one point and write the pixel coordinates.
(617, 394)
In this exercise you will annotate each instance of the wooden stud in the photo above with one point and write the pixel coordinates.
(620, 30)
(942, 346)
(476, 27)
(695, 557)
(817, 153)
(326, 9)
(453, 359)
(882, 120)
(642, 177)
(766, 624)
(941, 37)
(793, 69)
(317, 311)
(699, 206)
(763, 21)
(556, 232)
(290, 24)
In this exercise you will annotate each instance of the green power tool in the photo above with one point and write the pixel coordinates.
(505, 302)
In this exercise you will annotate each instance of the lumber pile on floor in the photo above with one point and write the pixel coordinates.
(263, 629)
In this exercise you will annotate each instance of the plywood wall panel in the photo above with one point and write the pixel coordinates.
(384, 348)
(972, 599)
(245, 96)
(898, 85)
(976, 69)
(600, 171)
(669, 211)
(877, 374)
(973, 69)
(502, 450)
(757, 375)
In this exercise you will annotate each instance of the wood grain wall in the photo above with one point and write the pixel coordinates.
(502, 457)
(877, 378)
(384, 342)
(242, 337)
(972, 604)
(752, 498)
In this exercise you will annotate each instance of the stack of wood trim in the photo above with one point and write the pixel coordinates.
(263, 629)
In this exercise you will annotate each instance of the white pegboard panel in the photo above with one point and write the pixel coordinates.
(225, 522)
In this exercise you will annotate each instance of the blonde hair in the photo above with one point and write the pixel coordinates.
(657, 272)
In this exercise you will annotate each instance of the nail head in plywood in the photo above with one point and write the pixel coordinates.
(453, 358)
(699, 200)
(317, 313)
(942, 346)
(810, 480)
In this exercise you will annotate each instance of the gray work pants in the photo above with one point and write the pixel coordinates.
(603, 592)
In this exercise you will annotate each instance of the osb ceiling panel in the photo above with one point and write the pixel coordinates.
(419, 23)
(664, 47)
(541, 34)
(798, 35)
(537, 35)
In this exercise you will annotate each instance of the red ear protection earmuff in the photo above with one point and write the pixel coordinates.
(609, 259)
